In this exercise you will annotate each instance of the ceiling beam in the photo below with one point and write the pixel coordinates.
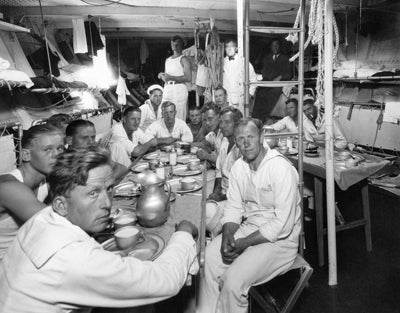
(120, 11)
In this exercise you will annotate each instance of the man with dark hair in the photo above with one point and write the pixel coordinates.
(23, 190)
(210, 145)
(151, 106)
(233, 76)
(221, 97)
(289, 123)
(56, 266)
(177, 73)
(128, 140)
(275, 67)
(170, 128)
(261, 225)
(82, 134)
(195, 124)
(227, 156)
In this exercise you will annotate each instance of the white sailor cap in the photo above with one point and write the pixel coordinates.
(154, 87)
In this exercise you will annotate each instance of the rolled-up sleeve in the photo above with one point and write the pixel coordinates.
(284, 183)
(186, 133)
(102, 279)
(234, 208)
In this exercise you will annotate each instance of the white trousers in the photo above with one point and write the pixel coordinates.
(224, 288)
(177, 94)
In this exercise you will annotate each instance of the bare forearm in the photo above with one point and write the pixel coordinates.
(179, 79)
(254, 239)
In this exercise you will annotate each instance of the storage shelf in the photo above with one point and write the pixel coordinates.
(274, 30)
(13, 28)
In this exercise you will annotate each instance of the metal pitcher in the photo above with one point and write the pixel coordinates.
(153, 207)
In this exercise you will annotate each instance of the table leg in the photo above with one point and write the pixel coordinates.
(367, 216)
(319, 217)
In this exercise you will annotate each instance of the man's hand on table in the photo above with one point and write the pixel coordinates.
(188, 227)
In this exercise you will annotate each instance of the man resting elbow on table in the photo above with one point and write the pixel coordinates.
(54, 265)
(23, 190)
(128, 140)
(169, 128)
(261, 225)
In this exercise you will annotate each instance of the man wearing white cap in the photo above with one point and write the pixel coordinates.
(150, 107)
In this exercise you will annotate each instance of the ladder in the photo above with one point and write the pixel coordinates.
(299, 83)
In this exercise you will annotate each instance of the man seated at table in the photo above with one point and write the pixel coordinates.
(209, 147)
(151, 106)
(82, 134)
(289, 123)
(54, 265)
(195, 124)
(170, 128)
(227, 156)
(261, 225)
(23, 190)
(221, 97)
(127, 139)
(317, 117)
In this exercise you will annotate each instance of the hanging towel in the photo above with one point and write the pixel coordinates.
(144, 51)
(79, 36)
(122, 91)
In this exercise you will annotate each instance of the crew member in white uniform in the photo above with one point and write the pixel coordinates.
(233, 76)
(177, 73)
(261, 226)
(23, 190)
(151, 106)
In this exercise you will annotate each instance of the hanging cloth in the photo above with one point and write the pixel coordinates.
(122, 91)
(79, 36)
(93, 37)
(144, 51)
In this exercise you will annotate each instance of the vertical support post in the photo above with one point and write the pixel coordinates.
(20, 134)
(330, 182)
(300, 114)
(246, 58)
(240, 28)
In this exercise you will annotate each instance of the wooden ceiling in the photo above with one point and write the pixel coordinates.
(159, 18)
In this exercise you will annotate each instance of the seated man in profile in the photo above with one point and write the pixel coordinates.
(169, 129)
(317, 117)
(209, 147)
(82, 134)
(23, 190)
(261, 225)
(54, 265)
(151, 106)
(227, 156)
(127, 139)
(195, 124)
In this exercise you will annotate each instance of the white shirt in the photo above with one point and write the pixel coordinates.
(215, 140)
(267, 198)
(121, 146)
(233, 80)
(318, 132)
(288, 124)
(181, 130)
(225, 162)
(54, 266)
(9, 224)
(148, 115)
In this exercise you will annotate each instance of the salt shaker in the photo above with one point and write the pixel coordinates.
(160, 171)
(172, 157)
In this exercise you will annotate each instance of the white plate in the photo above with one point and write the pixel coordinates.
(311, 155)
(198, 186)
(140, 251)
(185, 159)
(141, 167)
(182, 170)
(128, 189)
(163, 156)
